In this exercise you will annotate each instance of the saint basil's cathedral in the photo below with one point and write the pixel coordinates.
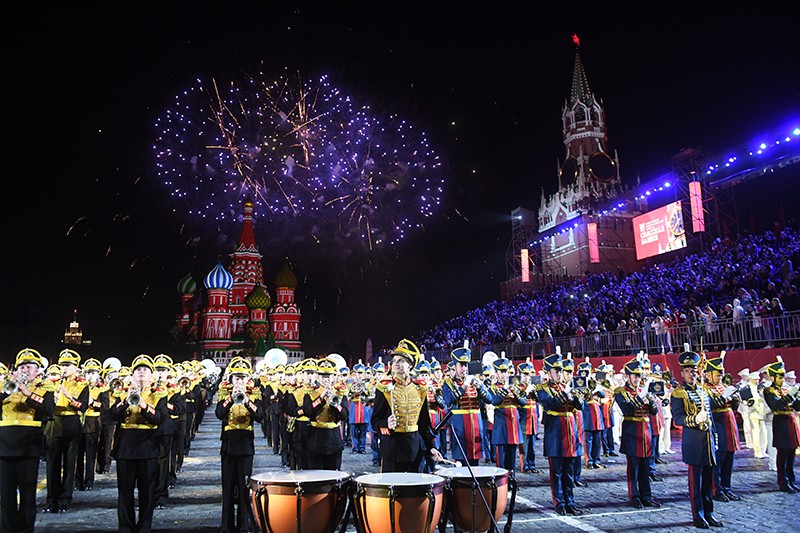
(233, 314)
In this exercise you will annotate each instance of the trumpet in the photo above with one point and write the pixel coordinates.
(184, 383)
(239, 397)
(333, 399)
(134, 397)
(11, 386)
(358, 388)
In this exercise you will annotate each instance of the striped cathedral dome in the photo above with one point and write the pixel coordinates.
(219, 278)
(258, 299)
(187, 286)
(286, 278)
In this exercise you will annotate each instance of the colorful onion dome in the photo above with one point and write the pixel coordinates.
(286, 278)
(258, 298)
(187, 286)
(219, 278)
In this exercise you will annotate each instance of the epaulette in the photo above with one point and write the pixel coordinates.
(160, 392)
(679, 392)
(384, 387)
(619, 390)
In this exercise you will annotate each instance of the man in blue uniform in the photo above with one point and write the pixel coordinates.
(568, 372)
(562, 446)
(637, 434)
(691, 409)
(464, 395)
(506, 430)
(529, 418)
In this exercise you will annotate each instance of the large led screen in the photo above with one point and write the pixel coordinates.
(659, 231)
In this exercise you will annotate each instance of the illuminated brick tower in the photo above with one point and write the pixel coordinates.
(577, 229)
(285, 315)
(233, 316)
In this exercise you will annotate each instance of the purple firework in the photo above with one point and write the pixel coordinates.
(304, 152)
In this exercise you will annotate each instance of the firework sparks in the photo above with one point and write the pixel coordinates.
(304, 152)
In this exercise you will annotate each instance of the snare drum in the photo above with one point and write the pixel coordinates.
(464, 504)
(398, 502)
(302, 501)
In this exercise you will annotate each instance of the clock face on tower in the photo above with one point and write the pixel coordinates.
(602, 167)
(569, 171)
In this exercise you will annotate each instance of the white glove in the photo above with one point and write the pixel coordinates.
(729, 392)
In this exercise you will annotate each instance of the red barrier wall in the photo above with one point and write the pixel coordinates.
(735, 360)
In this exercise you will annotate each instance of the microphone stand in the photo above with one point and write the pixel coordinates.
(512, 482)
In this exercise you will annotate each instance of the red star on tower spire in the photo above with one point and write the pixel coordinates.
(575, 39)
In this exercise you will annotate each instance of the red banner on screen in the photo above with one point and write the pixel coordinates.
(659, 231)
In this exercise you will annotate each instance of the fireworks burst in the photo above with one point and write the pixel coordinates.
(306, 154)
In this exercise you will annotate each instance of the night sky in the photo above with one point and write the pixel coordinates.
(88, 225)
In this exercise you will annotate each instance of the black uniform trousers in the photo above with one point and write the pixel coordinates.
(176, 457)
(104, 446)
(299, 455)
(141, 475)
(277, 434)
(18, 479)
(785, 463)
(86, 461)
(62, 456)
(723, 472)
(235, 469)
(162, 468)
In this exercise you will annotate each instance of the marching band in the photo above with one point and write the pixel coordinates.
(77, 416)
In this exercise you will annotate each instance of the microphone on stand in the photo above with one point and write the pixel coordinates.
(438, 427)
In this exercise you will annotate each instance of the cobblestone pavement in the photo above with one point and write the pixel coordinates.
(195, 500)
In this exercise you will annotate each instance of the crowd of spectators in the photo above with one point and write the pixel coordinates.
(748, 279)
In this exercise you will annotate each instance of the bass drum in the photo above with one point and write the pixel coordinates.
(464, 504)
(302, 501)
(398, 502)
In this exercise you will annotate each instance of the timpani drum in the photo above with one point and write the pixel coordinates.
(398, 502)
(301, 501)
(463, 501)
